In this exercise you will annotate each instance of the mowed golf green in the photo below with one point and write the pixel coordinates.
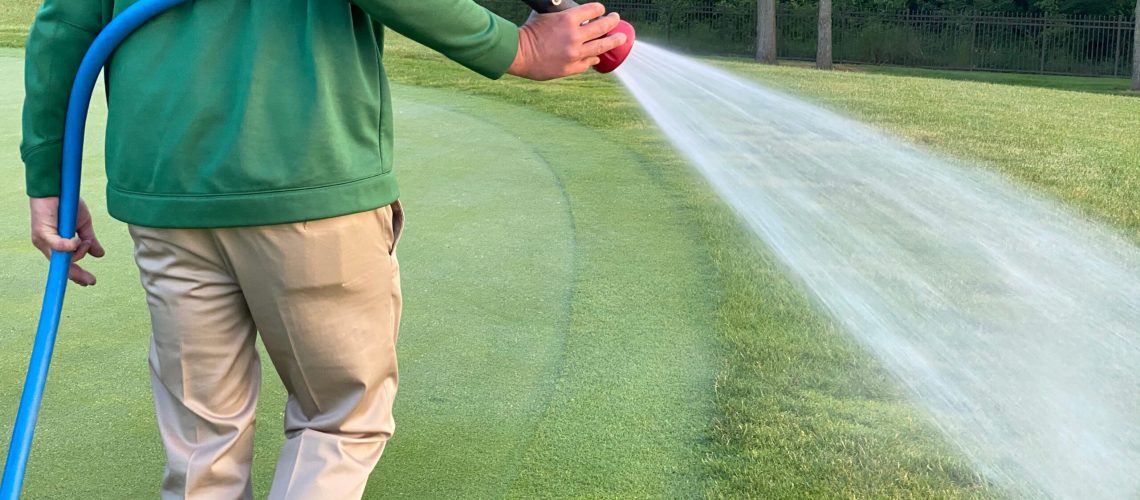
(555, 335)
(584, 318)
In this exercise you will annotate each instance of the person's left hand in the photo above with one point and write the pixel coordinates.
(45, 236)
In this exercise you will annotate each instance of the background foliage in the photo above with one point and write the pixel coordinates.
(1067, 7)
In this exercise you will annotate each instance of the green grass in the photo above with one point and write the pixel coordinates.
(1058, 82)
(584, 317)
(1075, 146)
(549, 324)
(801, 411)
(15, 16)
(1109, 85)
(623, 340)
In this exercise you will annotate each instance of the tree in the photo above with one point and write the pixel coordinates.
(1136, 51)
(766, 31)
(823, 41)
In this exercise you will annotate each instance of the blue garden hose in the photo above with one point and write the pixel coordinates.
(97, 55)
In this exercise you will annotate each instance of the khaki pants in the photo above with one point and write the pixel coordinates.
(325, 297)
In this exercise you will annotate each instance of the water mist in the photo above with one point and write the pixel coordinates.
(1014, 324)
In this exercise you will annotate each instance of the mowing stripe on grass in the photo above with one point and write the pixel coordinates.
(487, 262)
(802, 410)
(555, 338)
(626, 400)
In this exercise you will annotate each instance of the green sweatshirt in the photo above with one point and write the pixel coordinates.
(227, 113)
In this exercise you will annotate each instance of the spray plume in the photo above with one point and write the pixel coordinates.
(1013, 323)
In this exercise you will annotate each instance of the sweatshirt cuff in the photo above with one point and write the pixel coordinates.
(42, 170)
(495, 62)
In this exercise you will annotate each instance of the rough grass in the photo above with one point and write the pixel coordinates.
(1077, 83)
(1076, 146)
(1108, 85)
(15, 17)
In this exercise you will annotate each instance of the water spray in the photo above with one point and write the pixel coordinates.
(610, 60)
(1013, 323)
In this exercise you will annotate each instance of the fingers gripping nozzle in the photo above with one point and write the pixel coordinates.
(610, 60)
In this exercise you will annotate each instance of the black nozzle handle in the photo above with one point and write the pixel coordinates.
(548, 6)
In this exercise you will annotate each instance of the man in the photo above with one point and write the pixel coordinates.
(249, 148)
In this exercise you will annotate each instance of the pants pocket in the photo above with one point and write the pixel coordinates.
(397, 225)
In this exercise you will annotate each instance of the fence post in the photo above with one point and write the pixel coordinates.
(973, 41)
(1136, 49)
(1116, 58)
(1044, 42)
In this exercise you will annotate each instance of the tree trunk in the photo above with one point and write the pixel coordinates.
(1136, 51)
(766, 31)
(823, 43)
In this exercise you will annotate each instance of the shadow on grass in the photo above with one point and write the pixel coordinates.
(1094, 84)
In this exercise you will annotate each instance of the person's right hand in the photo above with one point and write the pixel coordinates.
(563, 43)
(45, 236)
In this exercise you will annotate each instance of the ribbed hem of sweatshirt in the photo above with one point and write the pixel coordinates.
(252, 209)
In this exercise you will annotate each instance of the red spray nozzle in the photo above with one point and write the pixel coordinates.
(612, 59)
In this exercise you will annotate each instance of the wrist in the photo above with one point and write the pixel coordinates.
(523, 54)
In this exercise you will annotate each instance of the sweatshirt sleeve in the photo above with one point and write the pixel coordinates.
(60, 36)
(462, 30)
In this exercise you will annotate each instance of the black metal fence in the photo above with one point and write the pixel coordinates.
(1084, 45)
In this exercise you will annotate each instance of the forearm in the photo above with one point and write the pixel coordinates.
(459, 29)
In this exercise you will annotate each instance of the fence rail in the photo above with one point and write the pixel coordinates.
(1027, 43)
